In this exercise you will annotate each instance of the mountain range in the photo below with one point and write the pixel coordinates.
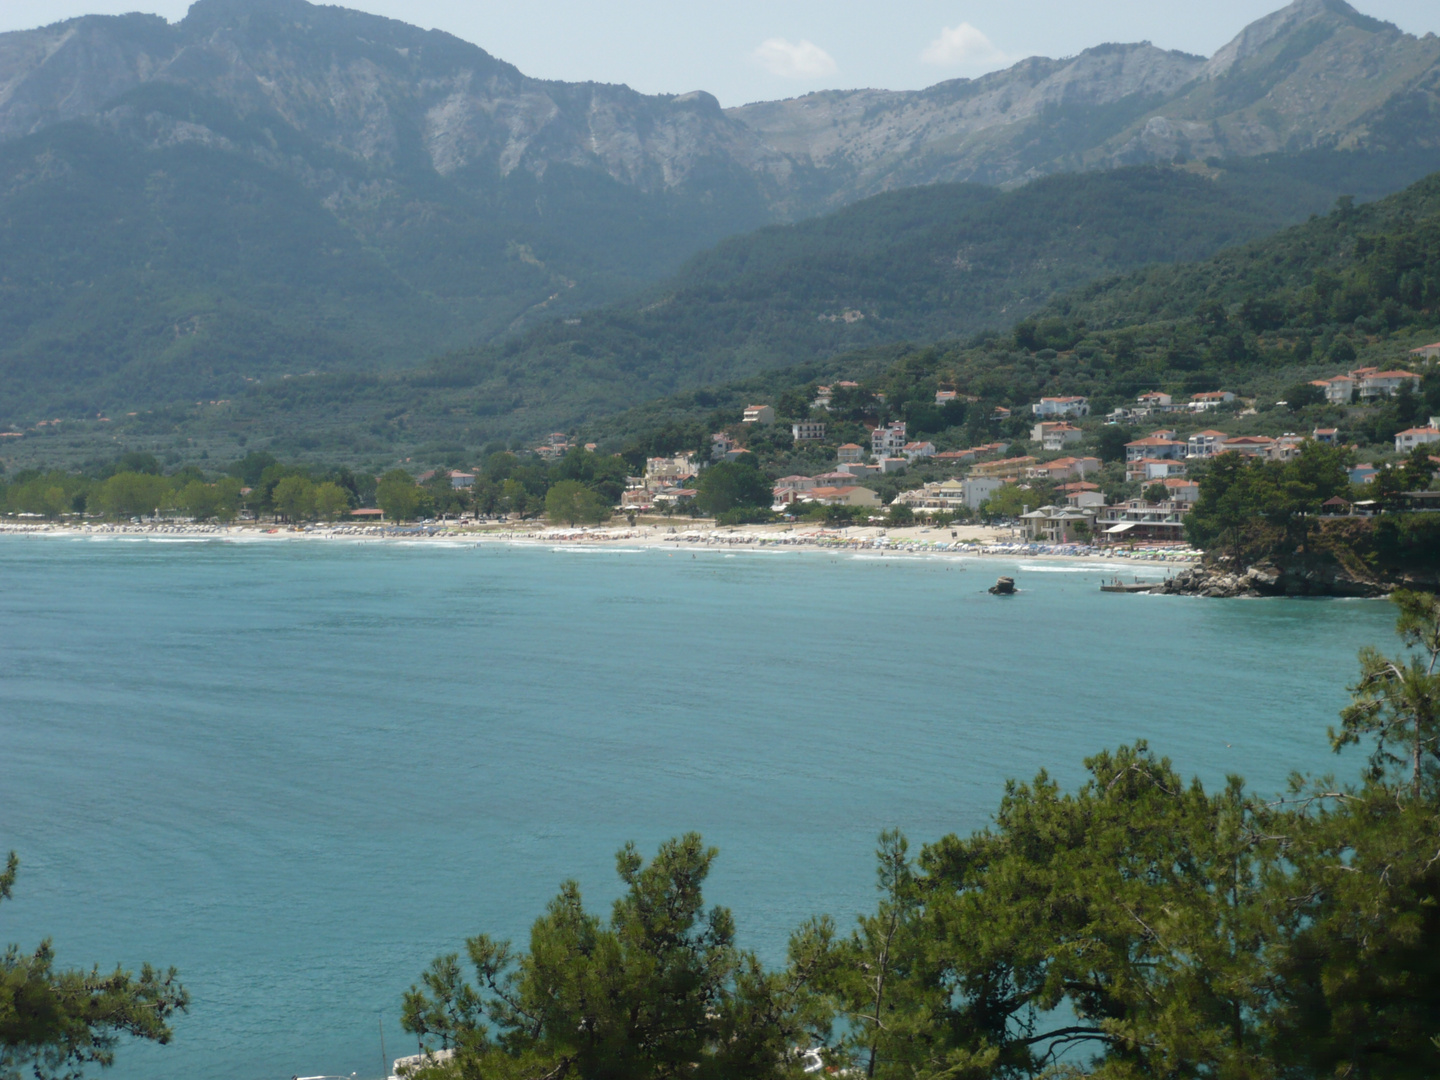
(269, 187)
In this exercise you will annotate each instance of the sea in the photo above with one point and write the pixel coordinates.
(299, 770)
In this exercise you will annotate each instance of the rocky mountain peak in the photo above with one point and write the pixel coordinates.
(1313, 14)
(382, 90)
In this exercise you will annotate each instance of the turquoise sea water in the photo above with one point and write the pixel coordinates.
(299, 770)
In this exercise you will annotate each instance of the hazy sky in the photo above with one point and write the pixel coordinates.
(749, 50)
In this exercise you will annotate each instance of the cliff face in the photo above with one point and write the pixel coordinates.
(1316, 73)
(378, 90)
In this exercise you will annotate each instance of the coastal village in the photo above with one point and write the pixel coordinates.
(1057, 485)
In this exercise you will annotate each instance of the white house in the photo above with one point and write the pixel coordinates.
(807, 431)
(1147, 469)
(976, 489)
(1205, 444)
(1060, 436)
(1410, 438)
(944, 397)
(1182, 490)
(889, 440)
(1427, 352)
(670, 468)
(759, 414)
(1085, 499)
(796, 483)
(1154, 400)
(945, 495)
(1061, 406)
(850, 452)
(913, 450)
(1339, 390)
(720, 445)
(1055, 434)
(1210, 399)
(1386, 383)
(1327, 435)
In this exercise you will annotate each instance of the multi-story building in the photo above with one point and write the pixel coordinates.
(1205, 444)
(888, 440)
(1154, 446)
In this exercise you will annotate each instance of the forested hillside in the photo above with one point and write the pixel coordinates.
(269, 188)
(134, 276)
(1360, 285)
(779, 298)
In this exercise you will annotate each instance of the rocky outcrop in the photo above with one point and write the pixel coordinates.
(1297, 577)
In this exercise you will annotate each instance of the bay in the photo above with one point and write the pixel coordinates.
(299, 770)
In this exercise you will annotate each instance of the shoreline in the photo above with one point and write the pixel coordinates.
(914, 541)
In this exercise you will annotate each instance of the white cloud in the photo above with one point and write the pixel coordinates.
(794, 60)
(960, 45)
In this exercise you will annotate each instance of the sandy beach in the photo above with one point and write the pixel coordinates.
(918, 540)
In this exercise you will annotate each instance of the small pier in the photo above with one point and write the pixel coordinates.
(1136, 586)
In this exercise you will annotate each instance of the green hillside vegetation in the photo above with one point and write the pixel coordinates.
(915, 265)
(921, 264)
(1358, 285)
(137, 276)
(1139, 926)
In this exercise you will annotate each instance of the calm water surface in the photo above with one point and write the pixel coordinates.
(298, 771)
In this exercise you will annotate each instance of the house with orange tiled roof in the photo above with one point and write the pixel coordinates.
(1061, 406)
(955, 457)
(1010, 467)
(1210, 399)
(1055, 435)
(1146, 469)
(1154, 446)
(1387, 383)
(1064, 468)
(1427, 352)
(1249, 445)
(913, 450)
(1407, 440)
(850, 495)
(1338, 391)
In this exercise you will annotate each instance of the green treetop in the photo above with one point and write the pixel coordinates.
(54, 1023)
